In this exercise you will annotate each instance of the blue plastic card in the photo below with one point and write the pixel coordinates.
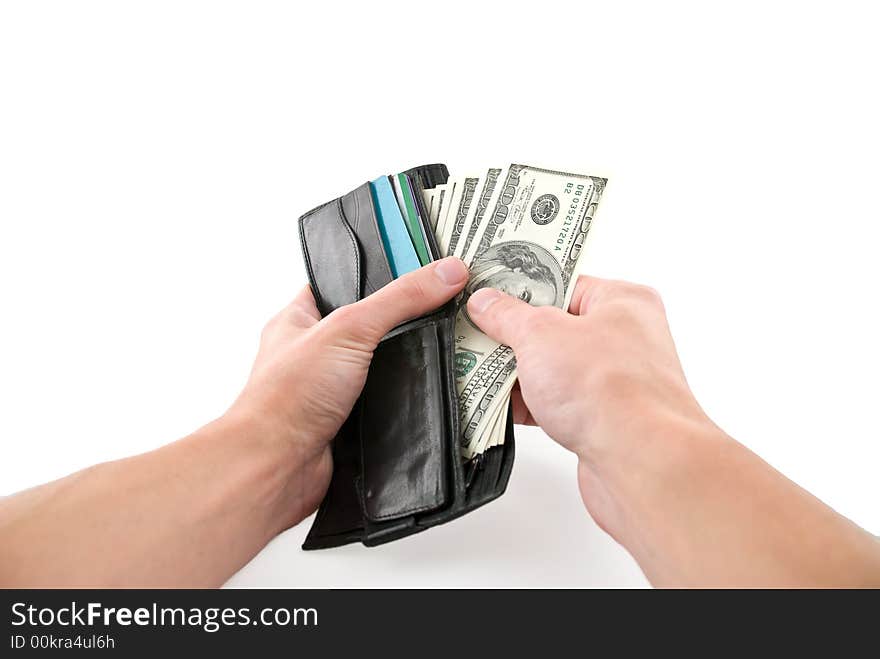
(399, 248)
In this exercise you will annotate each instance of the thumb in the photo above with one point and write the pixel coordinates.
(505, 318)
(410, 296)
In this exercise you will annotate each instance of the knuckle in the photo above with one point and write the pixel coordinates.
(361, 322)
(532, 322)
(643, 292)
(413, 290)
(271, 326)
(343, 316)
(648, 294)
(350, 326)
(638, 293)
(341, 327)
(541, 318)
(504, 307)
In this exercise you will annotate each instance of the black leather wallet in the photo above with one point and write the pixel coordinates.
(397, 467)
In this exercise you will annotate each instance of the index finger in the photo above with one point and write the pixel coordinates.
(584, 291)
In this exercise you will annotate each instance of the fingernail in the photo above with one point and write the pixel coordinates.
(483, 299)
(450, 271)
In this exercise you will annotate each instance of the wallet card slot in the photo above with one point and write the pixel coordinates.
(343, 250)
(418, 177)
(403, 428)
(332, 256)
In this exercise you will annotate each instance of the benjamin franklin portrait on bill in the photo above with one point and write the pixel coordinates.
(521, 269)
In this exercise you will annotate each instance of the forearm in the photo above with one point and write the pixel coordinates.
(697, 508)
(188, 514)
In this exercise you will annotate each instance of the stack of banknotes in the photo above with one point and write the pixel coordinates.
(519, 229)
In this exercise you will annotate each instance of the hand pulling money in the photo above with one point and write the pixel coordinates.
(520, 229)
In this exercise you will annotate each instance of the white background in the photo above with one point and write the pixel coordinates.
(154, 158)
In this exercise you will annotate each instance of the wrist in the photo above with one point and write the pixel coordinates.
(270, 467)
(646, 462)
(636, 425)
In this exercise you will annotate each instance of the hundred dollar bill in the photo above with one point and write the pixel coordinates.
(482, 195)
(459, 205)
(501, 425)
(495, 436)
(527, 244)
(494, 431)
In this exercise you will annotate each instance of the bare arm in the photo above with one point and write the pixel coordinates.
(699, 509)
(189, 513)
(193, 512)
(693, 506)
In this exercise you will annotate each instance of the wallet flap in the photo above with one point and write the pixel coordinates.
(404, 427)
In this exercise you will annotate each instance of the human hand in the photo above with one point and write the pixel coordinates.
(600, 379)
(693, 506)
(309, 371)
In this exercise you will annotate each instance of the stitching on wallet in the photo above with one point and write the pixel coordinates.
(402, 513)
(392, 515)
(369, 286)
(375, 226)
